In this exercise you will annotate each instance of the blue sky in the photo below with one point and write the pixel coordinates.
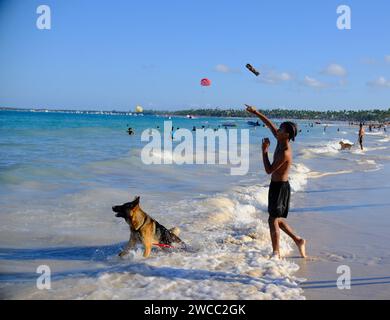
(117, 54)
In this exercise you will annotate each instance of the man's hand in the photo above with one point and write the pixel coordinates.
(250, 109)
(265, 145)
(263, 118)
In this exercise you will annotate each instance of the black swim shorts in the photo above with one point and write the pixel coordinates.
(279, 199)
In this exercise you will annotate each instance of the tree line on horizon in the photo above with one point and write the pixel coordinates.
(341, 115)
(376, 115)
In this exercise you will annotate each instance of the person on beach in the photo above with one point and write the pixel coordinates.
(361, 135)
(279, 189)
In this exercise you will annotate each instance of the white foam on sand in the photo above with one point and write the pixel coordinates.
(332, 148)
(329, 147)
(375, 133)
(316, 175)
(386, 139)
(367, 149)
(298, 177)
(369, 165)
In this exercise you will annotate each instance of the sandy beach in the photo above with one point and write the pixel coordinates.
(347, 223)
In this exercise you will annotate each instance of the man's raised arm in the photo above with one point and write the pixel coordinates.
(263, 118)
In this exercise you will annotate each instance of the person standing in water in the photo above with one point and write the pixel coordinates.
(279, 189)
(361, 135)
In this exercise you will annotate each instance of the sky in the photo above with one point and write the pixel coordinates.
(117, 54)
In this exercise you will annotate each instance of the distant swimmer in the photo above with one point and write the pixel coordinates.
(345, 146)
(130, 131)
(279, 189)
(193, 128)
(361, 135)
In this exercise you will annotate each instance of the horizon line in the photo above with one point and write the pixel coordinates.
(197, 108)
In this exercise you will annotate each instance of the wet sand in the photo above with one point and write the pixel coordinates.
(346, 222)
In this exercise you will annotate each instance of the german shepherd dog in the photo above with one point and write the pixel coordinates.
(144, 228)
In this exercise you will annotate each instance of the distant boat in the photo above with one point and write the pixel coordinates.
(253, 123)
(229, 124)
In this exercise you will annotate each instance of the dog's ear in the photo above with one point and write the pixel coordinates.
(136, 199)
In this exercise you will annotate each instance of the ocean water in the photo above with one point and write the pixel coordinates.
(60, 174)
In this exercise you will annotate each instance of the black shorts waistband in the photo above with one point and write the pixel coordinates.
(280, 182)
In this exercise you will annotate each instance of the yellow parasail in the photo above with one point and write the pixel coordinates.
(139, 109)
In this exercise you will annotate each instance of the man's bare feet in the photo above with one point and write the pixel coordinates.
(275, 255)
(301, 243)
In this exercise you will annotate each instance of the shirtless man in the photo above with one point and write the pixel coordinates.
(361, 135)
(279, 190)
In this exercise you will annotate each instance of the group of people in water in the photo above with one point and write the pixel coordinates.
(361, 133)
(378, 127)
(360, 140)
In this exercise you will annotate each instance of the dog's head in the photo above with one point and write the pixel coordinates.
(125, 210)
(341, 143)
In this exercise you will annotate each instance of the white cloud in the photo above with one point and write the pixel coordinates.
(381, 82)
(343, 82)
(313, 83)
(336, 70)
(223, 68)
(387, 58)
(273, 77)
(368, 61)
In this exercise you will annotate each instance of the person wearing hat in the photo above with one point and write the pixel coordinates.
(279, 189)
